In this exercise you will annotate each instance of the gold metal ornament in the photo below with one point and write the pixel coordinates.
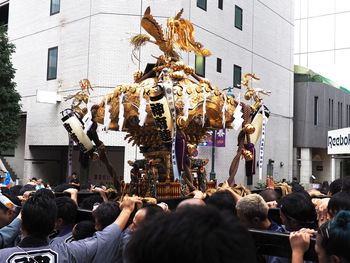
(248, 128)
(248, 156)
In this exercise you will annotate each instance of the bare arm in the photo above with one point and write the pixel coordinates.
(127, 207)
(73, 194)
(101, 192)
(299, 242)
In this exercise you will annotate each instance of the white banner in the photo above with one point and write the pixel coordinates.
(338, 141)
(262, 144)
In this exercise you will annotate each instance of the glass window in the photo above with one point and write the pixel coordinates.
(237, 76)
(221, 4)
(218, 64)
(52, 63)
(329, 112)
(332, 121)
(341, 115)
(202, 4)
(54, 7)
(200, 65)
(238, 17)
(315, 110)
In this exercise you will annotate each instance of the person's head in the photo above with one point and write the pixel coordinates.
(294, 180)
(333, 240)
(66, 211)
(26, 188)
(339, 201)
(62, 187)
(145, 215)
(88, 203)
(189, 202)
(297, 188)
(346, 184)
(105, 214)
(83, 230)
(74, 175)
(38, 216)
(335, 186)
(325, 185)
(39, 181)
(297, 211)
(15, 190)
(270, 195)
(197, 234)
(34, 180)
(223, 200)
(45, 193)
(8, 210)
(252, 210)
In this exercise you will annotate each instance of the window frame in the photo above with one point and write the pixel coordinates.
(240, 68)
(48, 62)
(203, 8)
(59, 8)
(195, 68)
(241, 10)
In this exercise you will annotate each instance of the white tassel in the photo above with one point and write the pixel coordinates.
(186, 102)
(142, 109)
(107, 119)
(204, 106)
(87, 120)
(238, 115)
(121, 113)
(223, 113)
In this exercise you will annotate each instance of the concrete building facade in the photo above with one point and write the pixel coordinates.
(92, 42)
(321, 44)
(318, 108)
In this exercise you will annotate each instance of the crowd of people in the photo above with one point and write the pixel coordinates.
(38, 224)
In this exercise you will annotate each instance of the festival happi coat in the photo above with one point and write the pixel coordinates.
(167, 112)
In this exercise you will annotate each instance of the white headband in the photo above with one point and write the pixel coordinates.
(7, 202)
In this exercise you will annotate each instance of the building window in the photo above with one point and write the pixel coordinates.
(202, 4)
(341, 115)
(218, 64)
(237, 76)
(315, 110)
(332, 114)
(329, 112)
(52, 63)
(238, 17)
(221, 4)
(54, 7)
(200, 65)
(4, 14)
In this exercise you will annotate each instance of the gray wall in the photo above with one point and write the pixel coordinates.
(306, 133)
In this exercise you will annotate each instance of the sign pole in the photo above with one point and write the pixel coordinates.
(212, 173)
